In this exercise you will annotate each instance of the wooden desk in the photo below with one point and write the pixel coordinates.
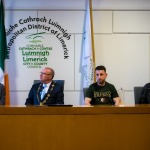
(75, 128)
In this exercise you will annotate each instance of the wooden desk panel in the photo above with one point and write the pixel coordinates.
(75, 128)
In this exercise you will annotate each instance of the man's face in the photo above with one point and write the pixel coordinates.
(45, 76)
(100, 77)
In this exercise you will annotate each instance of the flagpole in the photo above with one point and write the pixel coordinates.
(6, 83)
(92, 37)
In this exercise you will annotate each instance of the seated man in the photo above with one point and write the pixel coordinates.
(2, 94)
(145, 94)
(47, 92)
(101, 92)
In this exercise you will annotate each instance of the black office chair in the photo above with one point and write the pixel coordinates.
(84, 91)
(61, 82)
(137, 94)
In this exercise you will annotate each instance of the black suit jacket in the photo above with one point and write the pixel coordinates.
(54, 95)
(2, 94)
(145, 94)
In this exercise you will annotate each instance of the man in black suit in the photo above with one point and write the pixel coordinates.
(2, 94)
(52, 92)
(145, 94)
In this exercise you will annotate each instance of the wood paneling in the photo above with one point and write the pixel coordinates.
(54, 128)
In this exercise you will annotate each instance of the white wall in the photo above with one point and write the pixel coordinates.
(121, 44)
(78, 4)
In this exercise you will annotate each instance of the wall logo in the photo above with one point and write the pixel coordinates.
(35, 54)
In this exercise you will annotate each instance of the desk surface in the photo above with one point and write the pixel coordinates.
(75, 110)
(75, 128)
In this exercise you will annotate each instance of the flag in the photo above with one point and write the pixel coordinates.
(88, 58)
(3, 54)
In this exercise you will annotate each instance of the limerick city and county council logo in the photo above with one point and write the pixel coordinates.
(34, 53)
(35, 38)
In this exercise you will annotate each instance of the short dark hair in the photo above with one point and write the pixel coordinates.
(100, 68)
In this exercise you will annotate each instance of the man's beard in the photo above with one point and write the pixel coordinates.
(100, 82)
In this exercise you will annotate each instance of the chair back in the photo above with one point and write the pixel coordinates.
(84, 91)
(61, 82)
(137, 94)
